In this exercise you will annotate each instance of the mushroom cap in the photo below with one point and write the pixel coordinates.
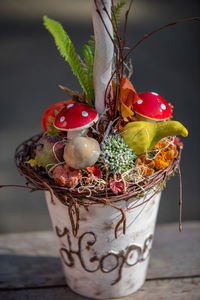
(75, 116)
(152, 106)
(50, 112)
(81, 152)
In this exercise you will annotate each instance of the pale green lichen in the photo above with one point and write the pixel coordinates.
(117, 156)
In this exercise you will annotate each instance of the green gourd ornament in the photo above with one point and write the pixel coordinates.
(142, 136)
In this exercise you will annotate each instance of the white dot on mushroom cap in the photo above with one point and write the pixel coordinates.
(62, 119)
(155, 94)
(70, 105)
(139, 101)
(163, 106)
(84, 113)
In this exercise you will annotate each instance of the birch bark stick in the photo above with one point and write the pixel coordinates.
(102, 69)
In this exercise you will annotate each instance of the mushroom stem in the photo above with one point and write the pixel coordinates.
(103, 50)
(74, 133)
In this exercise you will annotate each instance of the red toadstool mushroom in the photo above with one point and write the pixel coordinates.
(50, 113)
(75, 118)
(152, 107)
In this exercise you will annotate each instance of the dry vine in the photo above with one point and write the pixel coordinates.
(37, 179)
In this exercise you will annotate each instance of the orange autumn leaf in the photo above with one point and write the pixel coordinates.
(128, 94)
(167, 153)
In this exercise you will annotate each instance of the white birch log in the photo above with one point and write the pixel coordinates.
(102, 70)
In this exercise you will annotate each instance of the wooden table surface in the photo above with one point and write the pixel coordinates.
(30, 267)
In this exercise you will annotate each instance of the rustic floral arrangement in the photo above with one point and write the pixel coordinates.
(110, 143)
(103, 159)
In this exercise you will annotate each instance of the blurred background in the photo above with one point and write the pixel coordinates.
(31, 69)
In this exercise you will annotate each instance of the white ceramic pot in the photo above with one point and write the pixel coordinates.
(96, 264)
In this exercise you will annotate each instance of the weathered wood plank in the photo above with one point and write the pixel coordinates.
(176, 289)
(31, 259)
(176, 253)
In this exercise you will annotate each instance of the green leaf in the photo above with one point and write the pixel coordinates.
(56, 112)
(51, 119)
(89, 61)
(50, 126)
(91, 44)
(67, 50)
(118, 8)
(52, 130)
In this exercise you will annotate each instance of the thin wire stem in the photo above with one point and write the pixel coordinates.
(119, 54)
(157, 30)
(118, 38)
(125, 25)
(115, 29)
(98, 11)
(180, 199)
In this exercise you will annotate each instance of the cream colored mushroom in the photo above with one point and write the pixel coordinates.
(81, 152)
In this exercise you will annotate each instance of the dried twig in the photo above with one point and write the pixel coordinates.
(76, 96)
(146, 36)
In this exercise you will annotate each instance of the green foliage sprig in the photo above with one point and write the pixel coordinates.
(91, 44)
(51, 129)
(67, 50)
(89, 61)
(117, 11)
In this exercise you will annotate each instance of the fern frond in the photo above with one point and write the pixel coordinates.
(117, 11)
(91, 44)
(89, 61)
(67, 51)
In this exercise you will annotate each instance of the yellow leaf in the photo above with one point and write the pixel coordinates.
(32, 163)
(126, 112)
